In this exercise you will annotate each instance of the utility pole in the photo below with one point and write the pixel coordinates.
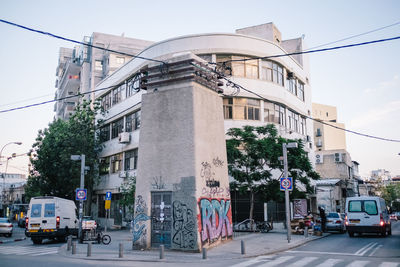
(82, 186)
(285, 169)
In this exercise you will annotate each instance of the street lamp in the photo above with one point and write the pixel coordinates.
(82, 186)
(4, 177)
(285, 168)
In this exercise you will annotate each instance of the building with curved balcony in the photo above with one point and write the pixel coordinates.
(279, 92)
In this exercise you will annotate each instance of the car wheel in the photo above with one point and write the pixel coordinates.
(383, 233)
(9, 235)
(37, 241)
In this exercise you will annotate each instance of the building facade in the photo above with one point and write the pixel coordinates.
(281, 95)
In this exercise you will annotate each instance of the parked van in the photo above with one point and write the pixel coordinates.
(367, 215)
(51, 217)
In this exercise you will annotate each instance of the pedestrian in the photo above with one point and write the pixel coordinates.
(322, 215)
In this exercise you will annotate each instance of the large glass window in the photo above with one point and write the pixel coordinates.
(106, 101)
(277, 73)
(300, 90)
(269, 112)
(116, 161)
(117, 94)
(241, 109)
(49, 210)
(242, 68)
(132, 121)
(117, 127)
(104, 166)
(272, 71)
(105, 133)
(280, 115)
(36, 210)
(131, 160)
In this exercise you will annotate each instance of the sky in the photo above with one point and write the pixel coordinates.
(362, 82)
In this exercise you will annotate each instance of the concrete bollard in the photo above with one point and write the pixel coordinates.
(69, 243)
(74, 247)
(161, 252)
(306, 232)
(243, 247)
(121, 250)
(89, 249)
(204, 251)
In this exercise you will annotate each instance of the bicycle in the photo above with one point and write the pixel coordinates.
(265, 227)
(103, 238)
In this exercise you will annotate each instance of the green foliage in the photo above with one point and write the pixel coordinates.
(127, 190)
(53, 172)
(391, 194)
(254, 154)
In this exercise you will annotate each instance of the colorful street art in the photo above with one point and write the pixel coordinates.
(184, 226)
(138, 223)
(216, 219)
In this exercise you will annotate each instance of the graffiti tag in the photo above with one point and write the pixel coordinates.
(184, 226)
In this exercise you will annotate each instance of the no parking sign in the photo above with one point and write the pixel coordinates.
(286, 183)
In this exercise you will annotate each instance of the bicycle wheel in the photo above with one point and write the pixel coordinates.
(106, 239)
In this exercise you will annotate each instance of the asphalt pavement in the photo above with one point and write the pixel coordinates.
(255, 244)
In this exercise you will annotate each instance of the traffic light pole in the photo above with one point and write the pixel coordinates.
(287, 206)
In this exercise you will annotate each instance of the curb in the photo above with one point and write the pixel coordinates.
(13, 240)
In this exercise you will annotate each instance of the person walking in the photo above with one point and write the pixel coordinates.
(322, 215)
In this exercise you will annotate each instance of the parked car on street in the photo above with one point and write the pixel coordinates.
(393, 217)
(6, 227)
(334, 222)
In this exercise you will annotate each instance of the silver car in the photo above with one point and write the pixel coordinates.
(6, 227)
(334, 222)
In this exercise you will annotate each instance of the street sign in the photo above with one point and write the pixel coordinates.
(286, 183)
(81, 194)
(108, 195)
(107, 205)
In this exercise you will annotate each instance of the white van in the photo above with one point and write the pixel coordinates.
(51, 217)
(367, 215)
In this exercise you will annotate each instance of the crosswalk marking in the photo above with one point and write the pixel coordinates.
(358, 264)
(329, 263)
(277, 261)
(253, 261)
(31, 251)
(303, 262)
(389, 264)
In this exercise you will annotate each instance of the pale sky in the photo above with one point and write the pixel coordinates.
(362, 82)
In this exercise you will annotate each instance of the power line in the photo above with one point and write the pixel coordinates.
(356, 35)
(236, 85)
(54, 100)
(312, 51)
(77, 42)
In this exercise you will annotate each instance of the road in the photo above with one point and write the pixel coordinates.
(334, 250)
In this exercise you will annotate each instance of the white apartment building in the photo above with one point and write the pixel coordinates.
(282, 82)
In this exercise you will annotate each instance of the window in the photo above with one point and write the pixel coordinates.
(300, 90)
(104, 166)
(318, 132)
(303, 126)
(242, 68)
(105, 133)
(271, 71)
(106, 101)
(117, 127)
(116, 161)
(117, 94)
(370, 207)
(133, 121)
(98, 65)
(241, 109)
(269, 112)
(120, 60)
(266, 70)
(36, 210)
(277, 74)
(131, 160)
(223, 66)
(49, 210)
(280, 115)
(291, 86)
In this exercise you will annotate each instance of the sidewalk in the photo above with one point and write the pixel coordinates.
(256, 244)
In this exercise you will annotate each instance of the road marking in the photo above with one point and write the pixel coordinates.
(358, 264)
(31, 251)
(277, 261)
(329, 263)
(320, 252)
(303, 262)
(365, 249)
(250, 262)
(373, 252)
(389, 264)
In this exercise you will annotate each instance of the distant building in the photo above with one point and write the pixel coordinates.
(81, 68)
(12, 192)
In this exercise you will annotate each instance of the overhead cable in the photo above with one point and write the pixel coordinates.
(77, 42)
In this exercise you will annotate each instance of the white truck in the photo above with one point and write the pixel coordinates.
(51, 217)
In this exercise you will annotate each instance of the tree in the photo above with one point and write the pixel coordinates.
(391, 194)
(127, 190)
(53, 172)
(254, 154)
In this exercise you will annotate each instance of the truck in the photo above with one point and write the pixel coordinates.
(51, 217)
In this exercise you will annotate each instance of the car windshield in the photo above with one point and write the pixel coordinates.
(333, 215)
(4, 220)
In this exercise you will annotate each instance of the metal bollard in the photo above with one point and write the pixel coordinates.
(121, 250)
(306, 232)
(161, 252)
(243, 247)
(89, 249)
(69, 243)
(204, 251)
(74, 247)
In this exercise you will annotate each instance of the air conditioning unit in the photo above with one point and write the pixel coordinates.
(124, 138)
(338, 157)
(122, 174)
(319, 158)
